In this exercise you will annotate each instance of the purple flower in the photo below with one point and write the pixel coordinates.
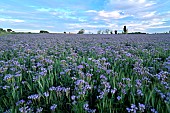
(119, 97)
(80, 67)
(34, 96)
(20, 102)
(25, 109)
(153, 110)
(128, 54)
(128, 109)
(141, 107)
(113, 90)
(7, 77)
(46, 94)
(133, 108)
(53, 107)
(139, 92)
(86, 106)
(29, 102)
(39, 110)
(73, 97)
(5, 87)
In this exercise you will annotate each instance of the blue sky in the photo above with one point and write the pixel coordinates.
(92, 15)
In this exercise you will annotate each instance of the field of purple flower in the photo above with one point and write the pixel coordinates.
(63, 73)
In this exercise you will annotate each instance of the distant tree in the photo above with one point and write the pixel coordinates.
(111, 32)
(115, 31)
(81, 31)
(99, 31)
(2, 30)
(64, 32)
(107, 31)
(125, 30)
(42, 31)
(9, 30)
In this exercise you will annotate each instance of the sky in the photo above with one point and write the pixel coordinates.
(92, 15)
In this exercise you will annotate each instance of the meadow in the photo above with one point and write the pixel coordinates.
(62, 73)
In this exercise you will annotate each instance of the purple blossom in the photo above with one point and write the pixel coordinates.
(153, 110)
(86, 106)
(80, 67)
(113, 90)
(34, 96)
(39, 110)
(46, 94)
(20, 102)
(5, 87)
(7, 77)
(25, 109)
(29, 102)
(141, 107)
(119, 97)
(139, 92)
(73, 97)
(128, 109)
(53, 107)
(133, 108)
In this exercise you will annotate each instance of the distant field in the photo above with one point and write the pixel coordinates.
(74, 73)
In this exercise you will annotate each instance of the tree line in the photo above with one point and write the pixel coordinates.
(82, 31)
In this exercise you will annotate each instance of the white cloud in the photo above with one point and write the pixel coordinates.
(44, 9)
(149, 14)
(106, 15)
(160, 27)
(129, 4)
(133, 7)
(11, 20)
(144, 26)
(91, 11)
(112, 14)
(93, 27)
(85, 25)
(26, 30)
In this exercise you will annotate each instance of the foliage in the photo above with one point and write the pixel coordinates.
(115, 31)
(125, 30)
(43, 31)
(9, 30)
(81, 31)
(2, 30)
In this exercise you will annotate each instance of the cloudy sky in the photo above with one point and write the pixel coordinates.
(92, 15)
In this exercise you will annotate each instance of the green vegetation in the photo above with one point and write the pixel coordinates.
(43, 31)
(81, 31)
(125, 30)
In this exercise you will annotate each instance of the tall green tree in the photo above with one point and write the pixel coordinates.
(82, 31)
(9, 30)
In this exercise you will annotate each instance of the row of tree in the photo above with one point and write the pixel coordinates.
(82, 31)
(8, 30)
(106, 31)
